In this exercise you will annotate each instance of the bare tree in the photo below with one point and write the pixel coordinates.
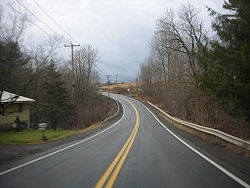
(174, 49)
(161, 55)
(186, 31)
(178, 40)
(85, 78)
(40, 58)
(13, 22)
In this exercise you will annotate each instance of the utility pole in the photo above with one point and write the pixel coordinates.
(116, 76)
(108, 79)
(73, 79)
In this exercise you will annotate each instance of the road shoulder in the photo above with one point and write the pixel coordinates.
(11, 154)
(234, 162)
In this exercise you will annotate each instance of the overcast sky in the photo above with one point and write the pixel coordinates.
(120, 29)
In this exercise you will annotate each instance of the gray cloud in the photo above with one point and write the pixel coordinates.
(120, 29)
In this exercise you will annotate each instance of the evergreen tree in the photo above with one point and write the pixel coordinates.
(12, 63)
(225, 65)
(56, 101)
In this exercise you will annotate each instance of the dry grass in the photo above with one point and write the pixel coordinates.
(211, 138)
(123, 85)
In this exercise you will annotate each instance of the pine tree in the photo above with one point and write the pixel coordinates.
(225, 65)
(56, 101)
(12, 66)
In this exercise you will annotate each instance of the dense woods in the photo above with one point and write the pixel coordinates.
(66, 95)
(197, 77)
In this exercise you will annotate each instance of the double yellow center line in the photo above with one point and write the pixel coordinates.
(114, 168)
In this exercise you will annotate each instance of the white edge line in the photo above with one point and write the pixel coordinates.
(234, 177)
(215, 132)
(60, 150)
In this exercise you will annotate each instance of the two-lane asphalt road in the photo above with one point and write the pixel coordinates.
(137, 152)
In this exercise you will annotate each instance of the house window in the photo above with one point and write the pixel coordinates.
(20, 108)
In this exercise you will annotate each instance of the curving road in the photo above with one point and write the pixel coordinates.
(137, 152)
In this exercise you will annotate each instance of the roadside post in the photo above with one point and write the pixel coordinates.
(42, 127)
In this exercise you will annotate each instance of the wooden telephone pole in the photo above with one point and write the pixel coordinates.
(73, 80)
(108, 79)
(116, 78)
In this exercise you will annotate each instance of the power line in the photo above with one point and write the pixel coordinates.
(42, 21)
(108, 79)
(55, 22)
(15, 10)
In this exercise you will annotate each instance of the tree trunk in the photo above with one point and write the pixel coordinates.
(55, 123)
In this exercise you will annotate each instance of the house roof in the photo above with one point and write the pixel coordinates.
(8, 97)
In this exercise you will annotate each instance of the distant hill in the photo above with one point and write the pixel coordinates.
(123, 85)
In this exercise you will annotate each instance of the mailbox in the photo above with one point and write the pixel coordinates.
(42, 126)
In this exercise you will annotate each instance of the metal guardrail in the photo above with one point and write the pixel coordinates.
(114, 115)
(215, 132)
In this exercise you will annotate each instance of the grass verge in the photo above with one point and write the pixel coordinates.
(33, 136)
